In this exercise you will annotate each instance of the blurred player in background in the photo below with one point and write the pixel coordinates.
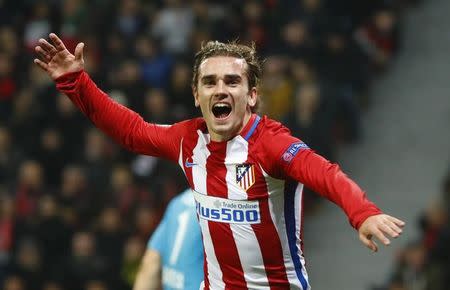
(246, 172)
(174, 256)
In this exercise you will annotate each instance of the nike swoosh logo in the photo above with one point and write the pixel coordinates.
(189, 164)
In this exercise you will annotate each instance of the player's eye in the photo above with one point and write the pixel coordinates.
(233, 82)
(209, 82)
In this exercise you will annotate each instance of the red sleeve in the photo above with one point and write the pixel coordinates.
(120, 123)
(291, 158)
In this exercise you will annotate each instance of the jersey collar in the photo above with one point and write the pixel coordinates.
(250, 127)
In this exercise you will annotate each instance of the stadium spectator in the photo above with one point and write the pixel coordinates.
(14, 282)
(8, 86)
(9, 158)
(83, 264)
(132, 254)
(110, 236)
(276, 88)
(379, 37)
(424, 262)
(28, 264)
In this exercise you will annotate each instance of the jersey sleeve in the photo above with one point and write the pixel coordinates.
(125, 126)
(290, 158)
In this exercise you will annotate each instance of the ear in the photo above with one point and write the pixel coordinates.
(252, 97)
(195, 93)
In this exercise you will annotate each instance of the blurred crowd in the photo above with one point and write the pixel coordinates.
(424, 263)
(76, 210)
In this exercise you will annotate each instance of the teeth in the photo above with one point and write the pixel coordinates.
(221, 105)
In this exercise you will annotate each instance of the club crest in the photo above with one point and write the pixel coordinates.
(245, 175)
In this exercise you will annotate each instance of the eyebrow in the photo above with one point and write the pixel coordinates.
(227, 77)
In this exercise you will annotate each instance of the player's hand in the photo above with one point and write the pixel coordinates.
(55, 59)
(379, 226)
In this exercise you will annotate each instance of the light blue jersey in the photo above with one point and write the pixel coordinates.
(178, 240)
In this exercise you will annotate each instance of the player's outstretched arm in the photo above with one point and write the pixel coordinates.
(149, 274)
(379, 226)
(120, 123)
(56, 60)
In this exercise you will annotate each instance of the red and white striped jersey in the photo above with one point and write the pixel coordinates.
(248, 190)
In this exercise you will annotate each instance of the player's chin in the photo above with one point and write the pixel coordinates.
(222, 123)
(221, 127)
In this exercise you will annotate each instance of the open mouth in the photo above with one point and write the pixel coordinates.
(221, 110)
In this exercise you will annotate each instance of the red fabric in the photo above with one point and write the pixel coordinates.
(6, 234)
(315, 172)
(132, 132)
(7, 88)
(383, 42)
(266, 231)
(123, 125)
(221, 234)
(26, 201)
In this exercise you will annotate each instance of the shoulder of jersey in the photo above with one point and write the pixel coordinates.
(269, 128)
(192, 125)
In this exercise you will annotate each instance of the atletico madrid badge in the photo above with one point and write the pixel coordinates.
(245, 175)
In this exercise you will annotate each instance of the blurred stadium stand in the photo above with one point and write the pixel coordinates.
(403, 163)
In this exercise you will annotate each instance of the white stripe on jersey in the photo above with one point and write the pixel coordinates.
(214, 272)
(244, 236)
(298, 224)
(180, 157)
(276, 189)
(199, 156)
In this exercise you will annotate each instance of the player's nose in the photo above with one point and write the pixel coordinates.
(220, 89)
